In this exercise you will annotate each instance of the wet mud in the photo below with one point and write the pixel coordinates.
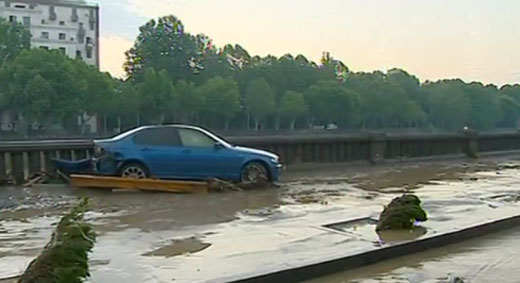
(172, 227)
(179, 247)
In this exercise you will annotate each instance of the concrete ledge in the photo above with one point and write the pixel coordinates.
(350, 262)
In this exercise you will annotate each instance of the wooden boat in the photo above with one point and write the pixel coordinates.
(172, 186)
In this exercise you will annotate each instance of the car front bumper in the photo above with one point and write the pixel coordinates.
(276, 171)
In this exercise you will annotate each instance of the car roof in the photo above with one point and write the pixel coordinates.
(140, 128)
(170, 126)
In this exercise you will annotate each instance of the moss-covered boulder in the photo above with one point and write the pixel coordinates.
(65, 258)
(402, 213)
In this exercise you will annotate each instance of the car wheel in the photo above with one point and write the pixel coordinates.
(134, 171)
(254, 172)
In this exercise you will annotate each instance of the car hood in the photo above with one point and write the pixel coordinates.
(256, 151)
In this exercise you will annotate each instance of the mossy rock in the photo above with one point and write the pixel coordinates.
(65, 258)
(402, 213)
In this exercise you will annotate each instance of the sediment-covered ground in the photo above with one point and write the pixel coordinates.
(157, 237)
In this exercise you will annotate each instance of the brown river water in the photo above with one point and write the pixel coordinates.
(27, 216)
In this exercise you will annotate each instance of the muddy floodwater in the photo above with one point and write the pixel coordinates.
(492, 258)
(144, 237)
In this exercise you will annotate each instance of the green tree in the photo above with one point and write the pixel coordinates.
(485, 111)
(41, 86)
(164, 44)
(448, 107)
(512, 91)
(292, 107)
(14, 38)
(156, 95)
(189, 102)
(96, 92)
(331, 102)
(220, 99)
(510, 109)
(510, 103)
(259, 100)
(125, 104)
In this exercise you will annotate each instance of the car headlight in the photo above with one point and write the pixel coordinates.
(275, 160)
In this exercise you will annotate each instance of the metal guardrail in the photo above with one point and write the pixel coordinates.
(264, 139)
(19, 159)
(45, 145)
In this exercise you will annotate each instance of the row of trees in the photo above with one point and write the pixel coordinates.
(174, 76)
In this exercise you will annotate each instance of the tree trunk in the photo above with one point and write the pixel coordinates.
(277, 123)
(161, 119)
(292, 124)
(119, 124)
(257, 124)
(226, 124)
(82, 123)
(23, 126)
(248, 121)
(105, 119)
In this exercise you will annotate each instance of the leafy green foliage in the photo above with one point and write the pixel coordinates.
(163, 44)
(47, 87)
(65, 258)
(14, 38)
(174, 76)
(220, 99)
(156, 95)
(402, 213)
(259, 100)
(41, 85)
(331, 102)
(292, 106)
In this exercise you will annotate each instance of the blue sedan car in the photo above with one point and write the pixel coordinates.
(182, 152)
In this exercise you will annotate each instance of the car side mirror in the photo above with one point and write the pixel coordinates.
(218, 146)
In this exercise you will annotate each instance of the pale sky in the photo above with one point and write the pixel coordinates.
(476, 40)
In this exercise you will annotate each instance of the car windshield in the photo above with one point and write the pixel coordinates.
(217, 138)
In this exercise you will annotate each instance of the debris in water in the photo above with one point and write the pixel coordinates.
(402, 213)
(451, 279)
(65, 258)
(180, 247)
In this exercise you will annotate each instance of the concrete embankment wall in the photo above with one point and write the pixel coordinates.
(19, 159)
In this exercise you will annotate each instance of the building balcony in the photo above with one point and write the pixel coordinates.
(53, 41)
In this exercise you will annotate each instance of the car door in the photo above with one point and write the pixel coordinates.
(203, 158)
(161, 151)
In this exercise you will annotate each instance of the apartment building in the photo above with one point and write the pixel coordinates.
(66, 25)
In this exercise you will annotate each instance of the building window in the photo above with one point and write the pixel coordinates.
(62, 23)
(89, 53)
(52, 13)
(43, 22)
(62, 36)
(81, 34)
(19, 6)
(89, 40)
(74, 16)
(32, 6)
(27, 21)
(63, 50)
(12, 19)
(45, 35)
(78, 54)
(7, 4)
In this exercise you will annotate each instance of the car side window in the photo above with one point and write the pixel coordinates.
(158, 137)
(192, 138)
